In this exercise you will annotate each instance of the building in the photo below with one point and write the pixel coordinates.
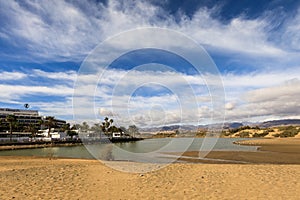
(54, 134)
(25, 118)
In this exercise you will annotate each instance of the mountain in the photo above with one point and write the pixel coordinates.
(282, 122)
(227, 125)
(232, 125)
(170, 128)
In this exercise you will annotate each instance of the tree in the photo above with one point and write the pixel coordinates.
(66, 127)
(111, 121)
(71, 133)
(75, 127)
(97, 129)
(133, 130)
(32, 129)
(124, 130)
(49, 122)
(11, 119)
(107, 126)
(84, 127)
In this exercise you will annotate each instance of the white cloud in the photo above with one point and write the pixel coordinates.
(279, 101)
(240, 35)
(248, 96)
(64, 30)
(289, 91)
(68, 75)
(13, 92)
(59, 109)
(229, 106)
(291, 37)
(4, 76)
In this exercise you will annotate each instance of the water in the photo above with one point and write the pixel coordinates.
(144, 150)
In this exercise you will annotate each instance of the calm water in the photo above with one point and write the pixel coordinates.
(144, 150)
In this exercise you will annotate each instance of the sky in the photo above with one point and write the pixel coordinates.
(47, 50)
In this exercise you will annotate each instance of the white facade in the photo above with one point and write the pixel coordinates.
(116, 135)
(53, 135)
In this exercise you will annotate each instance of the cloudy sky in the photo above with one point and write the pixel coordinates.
(46, 48)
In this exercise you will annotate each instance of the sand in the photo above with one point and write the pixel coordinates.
(45, 178)
(283, 145)
(42, 178)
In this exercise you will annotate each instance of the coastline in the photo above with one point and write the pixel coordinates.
(36, 146)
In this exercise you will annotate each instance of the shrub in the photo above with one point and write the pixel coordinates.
(289, 131)
(225, 133)
(244, 134)
(263, 134)
(201, 133)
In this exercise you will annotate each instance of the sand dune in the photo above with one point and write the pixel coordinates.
(41, 178)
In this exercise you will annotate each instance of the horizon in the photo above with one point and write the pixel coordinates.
(255, 47)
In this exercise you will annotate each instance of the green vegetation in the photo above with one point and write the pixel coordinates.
(226, 133)
(244, 134)
(235, 130)
(164, 134)
(132, 130)
(201, 133)
(263, 134)
(11, 120)
(32, 129)
(108, 128)
(287, 131)
(49, 123)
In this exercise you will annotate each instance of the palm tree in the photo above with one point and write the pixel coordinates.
(107, 126)
(112, 128)
(11, 119)
(66, 127)
(32, 129)
(49, 122)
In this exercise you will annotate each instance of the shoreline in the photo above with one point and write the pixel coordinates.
(36, 146)
(270, 151)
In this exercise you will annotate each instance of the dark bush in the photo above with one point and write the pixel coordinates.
(287, 131)
(266, 132)
(244, 134)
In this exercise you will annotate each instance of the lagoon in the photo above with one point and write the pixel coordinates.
(143, 150)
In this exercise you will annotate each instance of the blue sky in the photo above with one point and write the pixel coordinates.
(254, 44)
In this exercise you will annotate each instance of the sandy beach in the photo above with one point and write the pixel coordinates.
(41, 178)
(45, 178)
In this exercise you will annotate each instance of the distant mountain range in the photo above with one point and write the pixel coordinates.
(282, 122)
(232, 125)
(170, 128)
